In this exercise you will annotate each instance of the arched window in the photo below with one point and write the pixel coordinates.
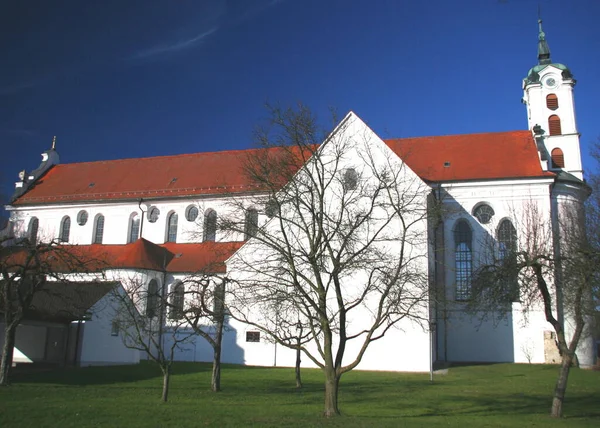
(558, 158)
(32, 232)
(134, 228)
(65, 229)
(463, 253)
(251, 223)
(552, 101)
(98, 229)
(507, 253)
(152, 299)
(177, 299)
(554, 125)
(210, 225)
(172, 228)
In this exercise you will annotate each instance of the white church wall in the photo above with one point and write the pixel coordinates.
(101, 345)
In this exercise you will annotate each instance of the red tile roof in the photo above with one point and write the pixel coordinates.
(204, 257)
(470, 157)
(498, 155)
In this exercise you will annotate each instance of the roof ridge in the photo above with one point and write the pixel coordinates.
(458, 135)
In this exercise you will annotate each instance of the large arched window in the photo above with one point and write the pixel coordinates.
(32, 231)
(152, 299)
(177, 300)
(210, 225)
(251, 223)
(554, 125)
(558, 158)
(65, 229)
(463, 252)
(507, 253)
(134, 228)
(98, 229)
(172, 228)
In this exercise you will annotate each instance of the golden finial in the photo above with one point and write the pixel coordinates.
(54, 142)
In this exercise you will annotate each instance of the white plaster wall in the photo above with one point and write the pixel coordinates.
(98, 345)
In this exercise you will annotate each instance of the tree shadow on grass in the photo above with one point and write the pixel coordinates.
(104, 375)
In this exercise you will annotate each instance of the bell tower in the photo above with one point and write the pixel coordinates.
(548, 95)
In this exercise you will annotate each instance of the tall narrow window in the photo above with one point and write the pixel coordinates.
(251, 224)
(98, 229)
(152, 299)
(558, 158)
(210, 225)
(554, 125)
(507, 253)
(552, 101)
(134, 228)
(172, 228)
(65, 229)
(177, 299)
(464, 259)
(32, 232)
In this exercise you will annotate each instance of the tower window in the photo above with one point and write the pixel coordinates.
(558, 158)
(552, 101)
(554, 125)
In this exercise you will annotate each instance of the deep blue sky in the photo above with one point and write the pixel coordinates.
(124, 78)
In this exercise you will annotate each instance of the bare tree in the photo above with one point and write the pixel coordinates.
(204, 312)
(342, 255)
(139, 320)
(28, 269)
(550, 268)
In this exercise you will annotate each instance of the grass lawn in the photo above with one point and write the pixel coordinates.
(502, 395)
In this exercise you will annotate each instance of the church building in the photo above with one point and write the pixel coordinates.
(157, 220)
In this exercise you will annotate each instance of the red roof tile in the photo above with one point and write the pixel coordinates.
(471, 156)
(205, 257)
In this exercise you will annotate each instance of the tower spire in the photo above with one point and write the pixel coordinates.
(543, 48)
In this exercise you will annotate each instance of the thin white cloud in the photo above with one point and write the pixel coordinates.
(164, 49)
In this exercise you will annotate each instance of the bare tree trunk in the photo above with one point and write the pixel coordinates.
(561, 386)
(166, 379)
(298, 361)
(332, 383)
(215, 384)
(10, 332)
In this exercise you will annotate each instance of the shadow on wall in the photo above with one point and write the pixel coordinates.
(485, 336)
(197, 349)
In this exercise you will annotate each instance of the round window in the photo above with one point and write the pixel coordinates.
(191, 214)
(484, 213)
(82, 217)
(153, 214)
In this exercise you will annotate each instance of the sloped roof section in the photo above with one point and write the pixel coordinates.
(442, 158)
(195, 174)
(204, 257)
(499, 155)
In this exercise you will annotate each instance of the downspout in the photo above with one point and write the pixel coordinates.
(141, 217)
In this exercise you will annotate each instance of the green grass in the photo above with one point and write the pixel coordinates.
(503, 395)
